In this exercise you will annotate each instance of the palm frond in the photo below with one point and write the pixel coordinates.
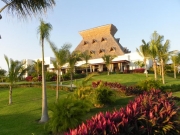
(26, 8)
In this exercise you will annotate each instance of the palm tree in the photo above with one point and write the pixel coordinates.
(108, 59)
(25, 8)
(153, 49)
(37, 67)
(61, 56)
(175, 60)
(86, 56)
(144, 52)
(72, 59)
(44, 31)
(163, 53)
(16, 70)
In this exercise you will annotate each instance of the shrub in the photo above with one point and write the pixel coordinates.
(149, 84)
(29, 78)
(131, 90)
(50, 76)
(83, 92)
(171, 88)
(139, 70)
(67, 114)
(152, 113)
(104, 95)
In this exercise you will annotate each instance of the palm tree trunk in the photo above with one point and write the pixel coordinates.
(57, 86)
(174, 71)
(155, 69)
(44, 117)
(71, 80)
(10, 94)
(146, 68)
(86, 70)
(162, 71)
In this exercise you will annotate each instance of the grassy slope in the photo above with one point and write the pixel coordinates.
(132, 79)
(21, 117)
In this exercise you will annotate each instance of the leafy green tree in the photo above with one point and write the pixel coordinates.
(25, 8)
(16, 70)
(144, 52)
(108, 59)
(86, 56)
(61, 56)
(44, 32)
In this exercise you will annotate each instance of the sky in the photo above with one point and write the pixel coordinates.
(135, 20)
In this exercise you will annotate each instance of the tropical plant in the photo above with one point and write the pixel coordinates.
(25, 8)
(86, 56)
(37, 65)
(163, 55)
(151, 113)
(144, 52)
(139, 63)
(154, 42)
(67, 113)
(108, 59)
(72, 59)
(44, 32)
(16, 70)
(175, 61)
(149, 84)
(61, 56)
(104, 95)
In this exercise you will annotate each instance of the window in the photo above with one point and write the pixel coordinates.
(112, 49)
(101, 51)
(85, 42)
(103, 39)
(92, 52)
(94, 41)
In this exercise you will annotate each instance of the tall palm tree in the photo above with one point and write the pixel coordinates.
(163, 54)
(44, 32)
(144, 52)
(153, 50)
(86, 56)
(175, 60)
(108, 59)
(16, 70)
(25, 8)
(61, 56)
(72, 59)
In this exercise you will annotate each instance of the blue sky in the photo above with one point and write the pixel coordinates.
(135, 20)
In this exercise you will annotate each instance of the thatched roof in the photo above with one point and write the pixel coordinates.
(100, 40)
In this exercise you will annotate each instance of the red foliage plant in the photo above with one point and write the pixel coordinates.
(130, 90)
(29, 78)
(150, 113)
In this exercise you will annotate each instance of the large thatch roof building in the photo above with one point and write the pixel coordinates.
(100, 40)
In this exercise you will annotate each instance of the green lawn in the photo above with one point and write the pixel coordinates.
(21, 118)
(132, 79)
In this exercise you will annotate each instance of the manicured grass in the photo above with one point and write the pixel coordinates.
(21, 118)
(131, 79)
